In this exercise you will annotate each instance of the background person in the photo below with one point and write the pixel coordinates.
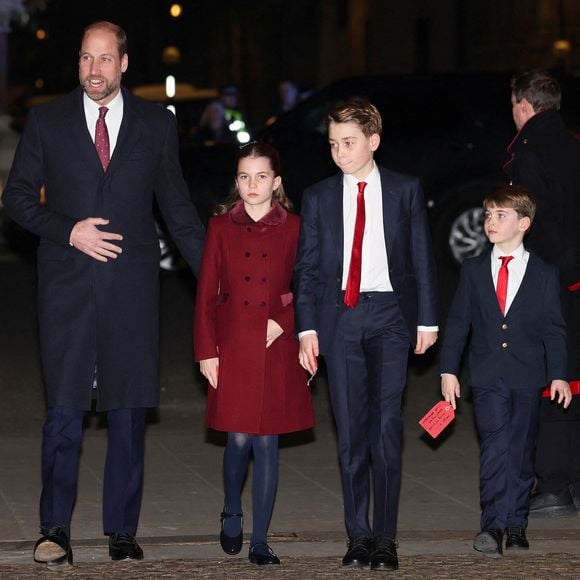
(545, 159)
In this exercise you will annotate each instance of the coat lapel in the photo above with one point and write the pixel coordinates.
(333, 215)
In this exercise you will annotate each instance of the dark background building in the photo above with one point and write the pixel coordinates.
(256, 43)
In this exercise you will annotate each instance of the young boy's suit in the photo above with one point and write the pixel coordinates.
(366, 348)
(511, 358)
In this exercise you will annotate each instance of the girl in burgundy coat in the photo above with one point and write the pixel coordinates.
(244, 340)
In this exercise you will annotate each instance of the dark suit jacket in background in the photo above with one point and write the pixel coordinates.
(318, 271)
(93, 313)
(526, 348)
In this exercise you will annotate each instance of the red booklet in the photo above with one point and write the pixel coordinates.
(437, 418)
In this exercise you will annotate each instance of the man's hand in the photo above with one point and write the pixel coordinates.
(450, 388)
(425, 339)
(209, 368)
(563, 390)
(273, 331)
(308, 353)
(86, 237)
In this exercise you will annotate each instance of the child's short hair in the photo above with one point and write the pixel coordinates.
(514, 196)
(358, 111)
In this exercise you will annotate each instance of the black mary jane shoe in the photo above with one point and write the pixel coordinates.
(124, 547)
(231, 545)
(263, 556)
(53, 549)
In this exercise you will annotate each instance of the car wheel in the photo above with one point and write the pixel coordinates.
(466, 237)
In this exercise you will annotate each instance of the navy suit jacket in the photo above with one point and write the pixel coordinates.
(318, 270)
(527, 347)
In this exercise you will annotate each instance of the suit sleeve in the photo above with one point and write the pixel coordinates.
(423, 261)
(21, 197)
(555, 336)
(205, 319)
(175, 201)
(307, 264)
(457, 327)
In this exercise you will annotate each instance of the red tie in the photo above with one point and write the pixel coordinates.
(353, 282)
(102, 138)
(502, 282)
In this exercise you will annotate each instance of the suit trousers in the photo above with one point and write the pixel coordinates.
(507, 422)
(123, 479)
(367, 370)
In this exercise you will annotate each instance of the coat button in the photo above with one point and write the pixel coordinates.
(264, 279)
(265, 255)
(504, 344)
(248, 229)
(247, 254)
(504, 326)
(247, 278)
(246, 303)
(262, 304)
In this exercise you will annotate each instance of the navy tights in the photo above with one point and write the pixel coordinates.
(264, 481)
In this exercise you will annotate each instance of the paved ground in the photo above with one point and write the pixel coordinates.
(183, 493)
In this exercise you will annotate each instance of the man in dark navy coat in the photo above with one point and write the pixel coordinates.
(98, 268)
(544, 157)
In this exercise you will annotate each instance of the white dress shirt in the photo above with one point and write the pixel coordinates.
(516, 270)
(112, 120)
(374, 262)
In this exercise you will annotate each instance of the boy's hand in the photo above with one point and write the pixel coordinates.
(308, 353)
(209, 369)
(450, 388)
(563, 390)
(425, 339)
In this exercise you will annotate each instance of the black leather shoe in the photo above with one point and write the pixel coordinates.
(552, 504)
(124, 547)
(384, 554)
(359, 552)
(263, 555)
(489, 543)
(53, 549)
(516, 538)
(232, 545)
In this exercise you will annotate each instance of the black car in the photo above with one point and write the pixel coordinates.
(449, 130)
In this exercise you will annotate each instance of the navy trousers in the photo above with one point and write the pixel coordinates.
(367, 370)
(507, 422)
(123, 480)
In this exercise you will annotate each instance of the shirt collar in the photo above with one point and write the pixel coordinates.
(93, 107)
(350, 181)
(276, 216)
(517, 254)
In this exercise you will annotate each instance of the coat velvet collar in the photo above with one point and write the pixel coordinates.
(275, 217)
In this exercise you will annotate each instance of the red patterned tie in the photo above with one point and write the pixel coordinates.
(353, 282)
(502, 282)
(102, 138)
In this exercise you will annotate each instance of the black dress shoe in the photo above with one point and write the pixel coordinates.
(232, 545)
(384, 554)
(53, 549)
(489, 543)
(552, 504)
(359, 552)
(124, 547)
(516, 538)
(263, 555)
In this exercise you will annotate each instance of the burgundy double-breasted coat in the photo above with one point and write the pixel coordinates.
(245, 280)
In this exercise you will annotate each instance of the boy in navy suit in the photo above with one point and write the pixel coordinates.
(365, 291)
(510, 301)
